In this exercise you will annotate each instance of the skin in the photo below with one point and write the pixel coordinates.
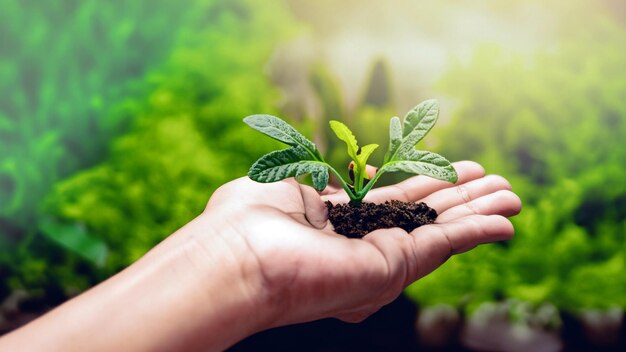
(264, 255)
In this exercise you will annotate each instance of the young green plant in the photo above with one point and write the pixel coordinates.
(303, 157)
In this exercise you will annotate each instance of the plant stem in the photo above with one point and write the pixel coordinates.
(361, 194)
(354, 197)
(358, 182)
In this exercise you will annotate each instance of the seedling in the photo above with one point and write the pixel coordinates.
(303, 157)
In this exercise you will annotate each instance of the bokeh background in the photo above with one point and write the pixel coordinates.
(119, 118)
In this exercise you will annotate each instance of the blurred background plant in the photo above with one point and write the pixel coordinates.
(102, 103)
(118, 120)
(67, 70)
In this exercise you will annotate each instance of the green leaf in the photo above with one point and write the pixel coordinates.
(281, 131)
(402, 155)
(395, 137)
(292, 162)
(365, 153)
(343, 132)
(75, 238)
(423, 163)
(422, 117)
(358, 155)
(417, 123)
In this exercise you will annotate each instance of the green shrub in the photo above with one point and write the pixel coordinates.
(189, 138)
(63, 66)
(69, 72)
(553, 125)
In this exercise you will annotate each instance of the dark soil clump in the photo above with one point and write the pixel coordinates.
(357, 220)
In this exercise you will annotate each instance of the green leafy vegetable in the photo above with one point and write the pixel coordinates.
(304, 158)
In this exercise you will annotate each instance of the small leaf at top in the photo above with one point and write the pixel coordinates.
(280, 130)
(343, 132)
(291, 162)
(365, 153)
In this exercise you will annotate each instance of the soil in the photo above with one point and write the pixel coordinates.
(357, 220)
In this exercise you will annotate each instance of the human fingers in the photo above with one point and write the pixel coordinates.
(369, 169)
(418, 187)
(397, 248)
(469, 231)
(412, 256)
(464, 193)
(245, 190)
(333, 186)
(502, 202)
(315, 210)
(300, 202)
(434, 244)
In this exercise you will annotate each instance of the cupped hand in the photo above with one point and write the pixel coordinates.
(303, 271)
(264, 255)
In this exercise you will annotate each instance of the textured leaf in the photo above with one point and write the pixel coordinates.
(402, 155)
(417, 123)
(280, 130)
(423, 116)
(395, 137)
(343, 132)
(292, 162)
(424, 163)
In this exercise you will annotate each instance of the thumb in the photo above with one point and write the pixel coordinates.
(315, 209)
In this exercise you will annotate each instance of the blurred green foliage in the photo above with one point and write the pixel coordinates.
(554, 125)
(185, 139)
(65, 70)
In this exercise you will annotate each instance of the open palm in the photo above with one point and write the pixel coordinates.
(310, 272)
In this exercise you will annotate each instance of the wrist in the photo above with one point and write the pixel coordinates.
(191, 292)
(218, 284)
(226, 278)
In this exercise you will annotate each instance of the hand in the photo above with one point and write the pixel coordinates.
(264, 255)
(306, 271)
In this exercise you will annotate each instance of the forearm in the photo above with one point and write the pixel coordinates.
(174, 298)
